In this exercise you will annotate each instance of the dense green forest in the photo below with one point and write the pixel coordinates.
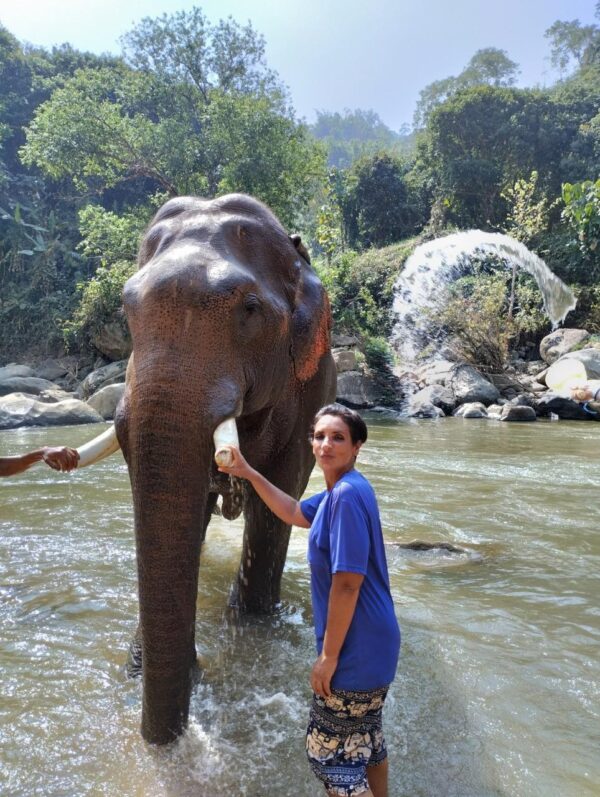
(91, 145)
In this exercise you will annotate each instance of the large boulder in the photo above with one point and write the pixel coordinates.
(53, 369)
(18, 410)
(561, 342)
(474, 409)
(438, 395)
(107, 375)
(106, 399)
(356, 390)
(343, 341)
(13, 369)
(345, 360)
(113, 340)
(423, 409)
(25, 384)
(470, 386)
(589, 357)
(517, 412)
(438, 372)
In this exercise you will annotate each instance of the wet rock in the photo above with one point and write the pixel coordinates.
(561, 342)
(18, 409)
(13, 370)
(494, 411)
(438, 395)
(506, 382)
(356, 390)
(435, 554)
(343, 341)
(345, 360)
(564, 408)
(474, 409)
(438, 372)
(518, 412)
(105, 400)
(53, 395)
(56, 368)
(113, 340)
(25, 384)
(423, 409)
(107, 375)
(470, 386)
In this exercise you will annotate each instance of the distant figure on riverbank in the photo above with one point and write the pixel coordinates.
(58, 458)
(590, 391)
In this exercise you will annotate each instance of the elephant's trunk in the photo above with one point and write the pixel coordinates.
(168, 443)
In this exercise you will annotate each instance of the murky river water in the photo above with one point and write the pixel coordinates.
(497, 691)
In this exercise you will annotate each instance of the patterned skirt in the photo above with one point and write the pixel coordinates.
(344, 737)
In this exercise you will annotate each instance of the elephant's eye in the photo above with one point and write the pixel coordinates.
(251, 303)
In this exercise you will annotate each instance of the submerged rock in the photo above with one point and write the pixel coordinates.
(435, 554)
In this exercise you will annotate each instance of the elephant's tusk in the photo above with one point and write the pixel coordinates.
(102, 446)
(225, 435)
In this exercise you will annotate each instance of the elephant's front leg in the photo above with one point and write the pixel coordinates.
(266, 538)
(258, 585)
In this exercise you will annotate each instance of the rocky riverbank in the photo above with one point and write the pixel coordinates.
(520, 393)
(63, 391)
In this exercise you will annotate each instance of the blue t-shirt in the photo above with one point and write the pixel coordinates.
(345, 537)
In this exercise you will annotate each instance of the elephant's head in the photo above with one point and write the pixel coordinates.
(228, 320)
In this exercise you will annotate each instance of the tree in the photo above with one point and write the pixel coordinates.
(488, 67)
(194, 111)
(582, 214)
(574, 43)
(378, 207)
(352, 134)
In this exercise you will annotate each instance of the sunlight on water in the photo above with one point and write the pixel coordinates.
(497, 691)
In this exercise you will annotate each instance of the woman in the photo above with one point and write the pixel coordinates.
(358, 638)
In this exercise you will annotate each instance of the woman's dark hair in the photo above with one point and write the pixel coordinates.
(356, 425)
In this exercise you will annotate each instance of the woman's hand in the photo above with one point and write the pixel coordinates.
(60, 458)
(239, 467)
(322, 673)
(582, 393)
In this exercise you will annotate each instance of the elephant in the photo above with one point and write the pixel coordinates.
(228, 320)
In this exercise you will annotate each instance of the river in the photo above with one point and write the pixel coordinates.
(497, 692)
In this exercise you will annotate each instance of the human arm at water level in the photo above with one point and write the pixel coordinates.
(58, 458)
(281, 504)
(343, 595)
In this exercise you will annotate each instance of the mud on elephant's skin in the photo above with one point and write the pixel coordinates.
(227, 319)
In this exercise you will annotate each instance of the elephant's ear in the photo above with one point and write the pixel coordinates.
(299, 246)
(311, 319)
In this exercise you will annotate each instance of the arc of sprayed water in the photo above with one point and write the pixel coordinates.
(431, 267)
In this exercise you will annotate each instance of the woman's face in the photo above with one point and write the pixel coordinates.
(332, 445)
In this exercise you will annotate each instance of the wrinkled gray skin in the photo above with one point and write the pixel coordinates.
(227, 319)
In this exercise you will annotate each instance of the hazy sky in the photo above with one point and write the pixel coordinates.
(334, 54)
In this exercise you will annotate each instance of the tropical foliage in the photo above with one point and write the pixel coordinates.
(91, 145)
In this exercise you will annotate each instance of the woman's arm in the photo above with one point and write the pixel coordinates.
(281, 504)
(61, 458)
(343, 595)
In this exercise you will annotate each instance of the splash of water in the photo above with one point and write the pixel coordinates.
(422, 286)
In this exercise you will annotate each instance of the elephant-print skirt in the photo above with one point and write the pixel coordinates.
(344, 736)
